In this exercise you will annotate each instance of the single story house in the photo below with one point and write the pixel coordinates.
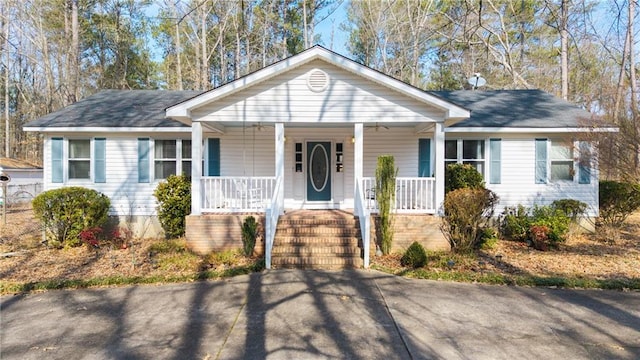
(305, 133)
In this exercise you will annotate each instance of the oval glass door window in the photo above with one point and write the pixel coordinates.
(319, 167)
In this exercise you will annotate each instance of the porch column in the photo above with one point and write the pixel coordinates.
(438, 144)
(196, 167)
(358, 151)
(280, 161)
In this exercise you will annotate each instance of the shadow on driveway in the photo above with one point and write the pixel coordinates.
(292, 314)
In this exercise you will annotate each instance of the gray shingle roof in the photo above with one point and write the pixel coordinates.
(516, 108)
(146, 108)
(118, 108)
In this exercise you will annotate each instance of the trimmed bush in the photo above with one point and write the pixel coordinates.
(415, 256)
(386, 198)
(467, 213)
(574, 209)
(66, 212)
(617, 201)
(174, 204)
(462, 176)
(555, 220)
(249, 235)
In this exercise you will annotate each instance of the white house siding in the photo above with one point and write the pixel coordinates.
(246, 153)
(128, 196)
(518, 174)
(349, 98)
(402, 143)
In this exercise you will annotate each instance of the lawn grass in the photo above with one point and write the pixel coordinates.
(448, 266)
(14, 287)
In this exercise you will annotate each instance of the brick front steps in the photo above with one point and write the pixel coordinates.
(317, 239)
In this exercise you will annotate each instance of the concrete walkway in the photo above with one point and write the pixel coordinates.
(291, 314)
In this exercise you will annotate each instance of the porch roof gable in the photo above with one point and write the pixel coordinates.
(182, 111)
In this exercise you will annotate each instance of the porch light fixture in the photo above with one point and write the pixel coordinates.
(353, 139)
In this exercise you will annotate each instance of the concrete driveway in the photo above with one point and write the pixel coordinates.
(291, 314)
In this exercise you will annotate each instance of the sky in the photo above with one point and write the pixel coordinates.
(329, 29)
(332, 36)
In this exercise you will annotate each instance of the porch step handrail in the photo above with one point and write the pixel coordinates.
(413, 195)
(272, 215)
(236, 193)
(364, 219)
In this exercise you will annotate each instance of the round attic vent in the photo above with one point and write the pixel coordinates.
(317, 80)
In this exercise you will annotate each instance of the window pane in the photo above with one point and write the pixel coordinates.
(473, 149)
(186, 149)
(560, 151)
(164, 168)
(561, 170)
(165, 149)
(186, 168)
(79, 149)
(451, 149)
(79, 169)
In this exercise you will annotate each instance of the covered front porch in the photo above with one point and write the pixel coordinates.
(315, 167)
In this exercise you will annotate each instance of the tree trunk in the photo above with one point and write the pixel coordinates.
(564, 48)
(6, 87)
(632, 76)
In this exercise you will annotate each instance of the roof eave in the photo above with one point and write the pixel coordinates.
(104, 129)
(521, 130)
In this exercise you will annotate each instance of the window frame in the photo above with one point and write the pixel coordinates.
(178, 160)
(551, 160)
(459, 154)
(577, 161)
(68, 159)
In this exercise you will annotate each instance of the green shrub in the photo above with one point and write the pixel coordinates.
(386, 198)
(515, 223)
(462, 176)
(66, 212)
(617, 201)
(574, 209)
(249, 234)
(467, 213)
(415, 256)
(174, 204)
(542, 227)
(554, 219)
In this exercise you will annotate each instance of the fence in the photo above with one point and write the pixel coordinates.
(20, 193)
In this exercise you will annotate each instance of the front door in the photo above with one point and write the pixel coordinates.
(318, 171)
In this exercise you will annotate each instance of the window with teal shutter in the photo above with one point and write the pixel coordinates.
(584, 163)
(57, 171)
(424, 157)
(495, 152)
(99, 160)
(541, 161)
(143, 160)
(213, 157)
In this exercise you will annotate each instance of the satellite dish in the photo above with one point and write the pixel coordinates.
(476, 81)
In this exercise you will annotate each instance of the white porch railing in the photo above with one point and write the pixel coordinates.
(413, 195)
(365, 220)
(273, 212)
(236, 193)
